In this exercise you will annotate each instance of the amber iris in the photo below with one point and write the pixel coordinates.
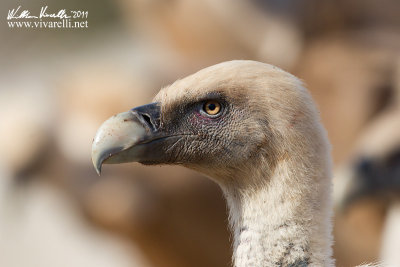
(212, 107)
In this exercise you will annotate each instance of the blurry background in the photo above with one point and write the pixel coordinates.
(58, 85)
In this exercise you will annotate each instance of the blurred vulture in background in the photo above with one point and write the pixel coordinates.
(373, 176)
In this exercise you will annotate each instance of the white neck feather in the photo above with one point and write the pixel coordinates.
(283, 222)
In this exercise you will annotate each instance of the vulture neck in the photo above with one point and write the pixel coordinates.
(283, 219)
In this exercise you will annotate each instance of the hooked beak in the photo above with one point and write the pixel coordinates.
(128, 137)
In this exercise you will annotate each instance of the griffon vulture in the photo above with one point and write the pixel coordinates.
(253, 129)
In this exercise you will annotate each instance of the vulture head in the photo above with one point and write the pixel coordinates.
(254, 129)
(225, 120)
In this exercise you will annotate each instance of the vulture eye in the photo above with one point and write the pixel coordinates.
(212, 107)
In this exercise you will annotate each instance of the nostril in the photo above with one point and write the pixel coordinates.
(147, 118)
(148, 115)
(148, 121)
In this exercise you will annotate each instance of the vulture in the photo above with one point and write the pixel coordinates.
(254, 130)
(373, 174)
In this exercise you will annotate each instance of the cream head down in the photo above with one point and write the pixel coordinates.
(253, 129)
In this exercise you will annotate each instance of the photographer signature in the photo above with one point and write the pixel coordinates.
(26, 14)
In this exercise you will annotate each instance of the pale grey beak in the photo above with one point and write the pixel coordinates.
(116, 134)
(130, 136)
